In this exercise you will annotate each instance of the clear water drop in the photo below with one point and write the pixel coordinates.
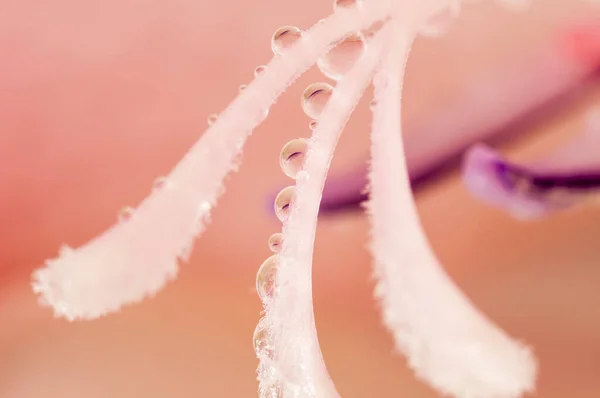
(312, 124)
(260, 338)
(292, 156)
(314, 99)
(340, 59)
(125, 214)
(265, 278)
(284, 37)
(160, 183)
(259, 70)
(438, 24)
(212, 119)
(276, 242)
(283, 203)
(345, 4)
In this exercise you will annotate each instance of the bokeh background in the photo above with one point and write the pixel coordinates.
(99, 98)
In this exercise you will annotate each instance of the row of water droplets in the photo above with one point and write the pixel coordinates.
(314, 98)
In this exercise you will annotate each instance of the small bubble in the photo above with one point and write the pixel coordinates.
(212, 119)
(125, 214)
(340, 59)
(261, 340)
(314, 99)
(441, 22)
(312, 124)
(344, 4)
(265, 278)
(292, 156)
(275, 242)
(160, 183)
(284, 37)
(283, 203)
(259, 70)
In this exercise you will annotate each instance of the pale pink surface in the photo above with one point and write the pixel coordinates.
(185, 326)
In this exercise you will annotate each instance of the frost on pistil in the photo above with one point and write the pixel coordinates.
(447, 341)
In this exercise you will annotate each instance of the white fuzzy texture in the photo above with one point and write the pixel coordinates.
(298, 367)
(447, 341)
(134, 259)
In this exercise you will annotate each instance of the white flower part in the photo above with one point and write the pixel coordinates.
(447, 341)
(134, 258)
(295, 365)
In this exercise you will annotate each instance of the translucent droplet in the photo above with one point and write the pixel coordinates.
(259, 70)
(275, 242)
(314, 99)
(160, 183)
(125, 214)
(340, 59)
(265, 278)
(441, 22)
(312, 124)
(212, 119)
(261, 340)
(284, 37)
(283, 203)
(292, 156)
(344, 4)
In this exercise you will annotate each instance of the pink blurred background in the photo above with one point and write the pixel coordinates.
(99, 98)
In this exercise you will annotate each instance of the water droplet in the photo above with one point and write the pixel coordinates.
(345, 4)
(284, 37)
(313, 125)
(314, 99)
(441, 22)
(283, 203)
(265, 278)
(212, 119)
(292, 156)
(160, 183)
(275, 242)
(259, 70)
(261, 340)
(125, 214)
(340, 59)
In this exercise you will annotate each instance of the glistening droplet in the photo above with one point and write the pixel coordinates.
(276, 242)
(345, 4)
(259, 70)
(340, 59)
(283, 203)
(314, 99)
(292, 156)
(159, 183)
(441, 22)
(284, 37)
(261, 340)
(125, 214)
(265, 278)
